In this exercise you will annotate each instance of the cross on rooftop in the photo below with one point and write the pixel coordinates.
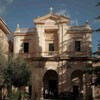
(51, 10)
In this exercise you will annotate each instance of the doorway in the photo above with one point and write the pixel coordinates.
(76, 90)
(50, 84)
(77, 82)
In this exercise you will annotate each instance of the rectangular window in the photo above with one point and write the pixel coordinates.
(51, 46)
(77, 46)
(26, 47)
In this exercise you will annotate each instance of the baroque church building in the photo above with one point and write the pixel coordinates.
(59, 52)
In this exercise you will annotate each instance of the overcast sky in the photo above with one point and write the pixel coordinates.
(23, 12)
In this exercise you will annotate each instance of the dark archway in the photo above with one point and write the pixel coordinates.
(50, 84)
(77, 82)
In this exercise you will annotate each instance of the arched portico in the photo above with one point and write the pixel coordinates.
(50, 84)
(77, 82)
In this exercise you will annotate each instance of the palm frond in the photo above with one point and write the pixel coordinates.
(98, 4)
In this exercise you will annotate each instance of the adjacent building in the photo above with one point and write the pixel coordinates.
(6, 39)
(59, 52)
(6, 47)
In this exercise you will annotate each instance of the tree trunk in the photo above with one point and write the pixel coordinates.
(0, 92)
(21, 92)
(9, 90)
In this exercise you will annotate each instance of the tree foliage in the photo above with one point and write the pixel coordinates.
(98, 17)
(2, 66)
(17, 72)
(13, 72)
(94, 72)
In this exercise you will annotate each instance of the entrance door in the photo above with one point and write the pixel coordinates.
(50, 83)
(53, 88)
(76, 90)
(77, 82)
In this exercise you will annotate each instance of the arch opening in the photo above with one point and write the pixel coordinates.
(50, 84)
(77, 82)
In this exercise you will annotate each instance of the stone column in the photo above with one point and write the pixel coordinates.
(84, 86)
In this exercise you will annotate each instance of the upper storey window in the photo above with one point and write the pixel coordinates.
(26, 47)
(77, 45)
(51, 46)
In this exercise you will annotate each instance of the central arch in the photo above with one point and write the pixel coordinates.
(50, 84)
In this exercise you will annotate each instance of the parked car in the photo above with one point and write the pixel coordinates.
(66, 96)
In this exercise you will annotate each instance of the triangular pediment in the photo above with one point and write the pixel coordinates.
(51, 17)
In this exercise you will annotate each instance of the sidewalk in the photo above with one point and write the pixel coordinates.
(80, 99)
(85, 99)
(96, 99)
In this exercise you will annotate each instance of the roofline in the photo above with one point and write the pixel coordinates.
(4, 23)
(35, 20)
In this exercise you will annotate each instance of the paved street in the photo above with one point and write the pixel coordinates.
(96, 98)
(76, 99)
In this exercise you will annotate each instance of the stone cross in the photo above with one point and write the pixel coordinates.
(51, 10)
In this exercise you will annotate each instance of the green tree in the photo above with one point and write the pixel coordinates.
(98, 17)
(2, 79)
(90, 69)
(94, 72)
(96, 69)
(17, 73)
